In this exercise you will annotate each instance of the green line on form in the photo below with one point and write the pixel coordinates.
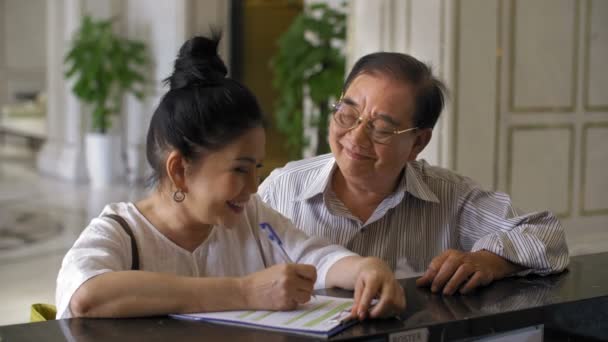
(306, 313)
(329, 314)
(262, 316)
(246, 314)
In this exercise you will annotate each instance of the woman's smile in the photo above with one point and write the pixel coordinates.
(237, 207)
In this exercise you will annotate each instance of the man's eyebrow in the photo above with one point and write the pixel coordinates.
(386, 117)
(383, 116)
(350, 102)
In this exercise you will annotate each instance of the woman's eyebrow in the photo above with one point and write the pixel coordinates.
(247, 159)
(250, 160)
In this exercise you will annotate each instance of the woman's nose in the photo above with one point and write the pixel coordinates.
(253, 182)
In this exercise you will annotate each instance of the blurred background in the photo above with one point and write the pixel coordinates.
(527, 111)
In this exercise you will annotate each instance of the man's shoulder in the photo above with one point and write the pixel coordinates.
(439, 175)
(299, 168)
(295, 176)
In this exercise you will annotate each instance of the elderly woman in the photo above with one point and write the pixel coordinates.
(372, 196)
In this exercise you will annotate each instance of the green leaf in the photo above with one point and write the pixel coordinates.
(104, 67)
(299, 64)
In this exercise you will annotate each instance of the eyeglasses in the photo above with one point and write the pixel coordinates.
(379, 130)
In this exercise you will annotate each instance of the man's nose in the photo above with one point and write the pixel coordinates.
(360, 133)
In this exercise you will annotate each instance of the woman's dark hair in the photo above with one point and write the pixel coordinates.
(203, 111)
(429, 92)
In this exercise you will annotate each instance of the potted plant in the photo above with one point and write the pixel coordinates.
(103, 67)
(310, 63)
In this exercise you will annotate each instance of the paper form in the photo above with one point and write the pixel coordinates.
(320, 316)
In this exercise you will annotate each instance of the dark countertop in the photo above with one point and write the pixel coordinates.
(572, 306)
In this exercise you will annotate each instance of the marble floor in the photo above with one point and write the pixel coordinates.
(40, 218)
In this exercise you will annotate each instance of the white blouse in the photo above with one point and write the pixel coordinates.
(228, 251)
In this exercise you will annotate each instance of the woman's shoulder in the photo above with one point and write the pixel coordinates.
(110, 222)
(123, 209)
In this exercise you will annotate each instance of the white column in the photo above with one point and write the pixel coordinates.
(49, 154)
(164, 27)
(63, 154)
(365, 29)
(427, 44)
(210, 13)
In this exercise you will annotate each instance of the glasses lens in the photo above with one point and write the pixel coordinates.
(346, 116)
(381, 131)
(381, 137)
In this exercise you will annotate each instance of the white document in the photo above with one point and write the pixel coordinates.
(321, 317)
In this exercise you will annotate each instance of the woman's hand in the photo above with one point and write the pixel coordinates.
(280, 287)
(376, 280)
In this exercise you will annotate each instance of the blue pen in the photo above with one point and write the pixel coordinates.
(273, 237)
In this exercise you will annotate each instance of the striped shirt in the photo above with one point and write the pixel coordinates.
(431, 210)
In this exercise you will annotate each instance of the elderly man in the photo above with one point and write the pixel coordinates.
(372, 195)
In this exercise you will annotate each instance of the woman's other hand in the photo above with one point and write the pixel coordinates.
(375, 280)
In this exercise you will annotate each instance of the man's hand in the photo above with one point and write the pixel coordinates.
(454, 270)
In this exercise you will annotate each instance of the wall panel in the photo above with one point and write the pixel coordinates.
(540, 167)
(543, 57)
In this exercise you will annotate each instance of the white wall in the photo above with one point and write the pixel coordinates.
(529, 108)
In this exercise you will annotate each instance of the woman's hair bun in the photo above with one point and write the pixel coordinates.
(198, 63)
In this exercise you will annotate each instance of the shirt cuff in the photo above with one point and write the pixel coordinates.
(493, 244)
(327, 264)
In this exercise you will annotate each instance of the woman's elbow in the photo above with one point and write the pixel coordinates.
(82, 304)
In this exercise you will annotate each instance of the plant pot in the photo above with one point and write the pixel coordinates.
(101, 150)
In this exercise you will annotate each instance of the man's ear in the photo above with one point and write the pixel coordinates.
(175, 166)
(422, 140)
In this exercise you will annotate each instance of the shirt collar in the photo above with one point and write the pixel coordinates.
(320, 183)
(412, 183)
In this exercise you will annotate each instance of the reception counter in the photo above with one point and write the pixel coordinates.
(572, 306)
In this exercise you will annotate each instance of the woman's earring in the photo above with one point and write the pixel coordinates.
(179, 196)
